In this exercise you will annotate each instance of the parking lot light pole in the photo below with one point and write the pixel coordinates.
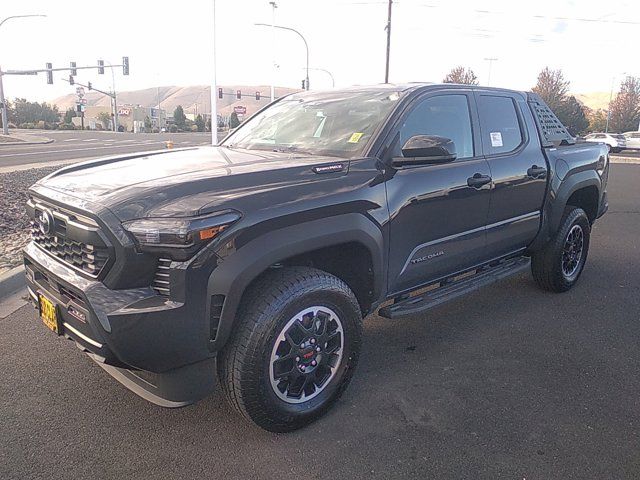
(306, 45)
(3, 103)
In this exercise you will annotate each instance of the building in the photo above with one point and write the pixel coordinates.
(131, 118)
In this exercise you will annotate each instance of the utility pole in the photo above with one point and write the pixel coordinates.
(214, 110)
(388, 29)
(273, 50)
(490, 60)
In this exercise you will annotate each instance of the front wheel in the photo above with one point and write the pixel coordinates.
(558, 266)
(294, 349)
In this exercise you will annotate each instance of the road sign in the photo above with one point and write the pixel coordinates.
(82, 101)
(80, 91)
(240, 110)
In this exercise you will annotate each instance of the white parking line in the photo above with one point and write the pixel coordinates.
(70, 139)
(90, 140)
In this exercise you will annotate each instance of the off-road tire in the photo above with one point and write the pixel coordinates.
(267, 307)
(547, 264)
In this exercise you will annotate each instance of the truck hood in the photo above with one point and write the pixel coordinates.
(184, 182)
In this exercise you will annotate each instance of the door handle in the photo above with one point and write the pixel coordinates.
(537, 172)
(478, 180)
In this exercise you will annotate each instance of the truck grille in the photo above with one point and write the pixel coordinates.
(161, 279)
(72, 238)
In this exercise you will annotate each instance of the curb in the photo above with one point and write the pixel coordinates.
(12, 281)
(631, 160)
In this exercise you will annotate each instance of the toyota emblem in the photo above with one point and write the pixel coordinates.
(45, 222)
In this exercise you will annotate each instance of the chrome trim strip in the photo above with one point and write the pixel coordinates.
(467, 232)
(82, 336)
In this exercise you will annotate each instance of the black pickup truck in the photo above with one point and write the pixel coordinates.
(254, 262)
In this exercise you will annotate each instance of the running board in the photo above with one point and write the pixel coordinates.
(451, 289)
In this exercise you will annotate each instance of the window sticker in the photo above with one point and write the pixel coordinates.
(355, 138)
(496, 139)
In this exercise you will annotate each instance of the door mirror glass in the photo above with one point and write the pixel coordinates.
(427, 149)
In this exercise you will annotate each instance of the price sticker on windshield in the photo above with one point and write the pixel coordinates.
(355, 138)
(496, 139)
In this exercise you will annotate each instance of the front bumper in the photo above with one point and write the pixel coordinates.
(153, 345)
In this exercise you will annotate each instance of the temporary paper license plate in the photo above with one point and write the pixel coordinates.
(49, 314)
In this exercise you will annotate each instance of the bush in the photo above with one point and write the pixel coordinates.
(173, 129)
(27, 125)
(67, 126)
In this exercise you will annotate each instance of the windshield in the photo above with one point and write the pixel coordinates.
(330, 123)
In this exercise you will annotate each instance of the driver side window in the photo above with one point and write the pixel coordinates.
(444, 115)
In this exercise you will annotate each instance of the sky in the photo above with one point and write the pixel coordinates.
(171, 43)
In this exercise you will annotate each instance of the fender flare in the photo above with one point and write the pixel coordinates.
(560, 192)
(234, 274)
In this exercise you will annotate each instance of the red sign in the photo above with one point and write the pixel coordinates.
(240, 110)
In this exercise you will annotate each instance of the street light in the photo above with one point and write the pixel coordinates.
(3, 104)
(306, 46)
(333, 81)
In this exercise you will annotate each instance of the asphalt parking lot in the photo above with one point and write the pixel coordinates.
(510, 382)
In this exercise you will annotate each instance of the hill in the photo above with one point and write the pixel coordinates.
(194, 99)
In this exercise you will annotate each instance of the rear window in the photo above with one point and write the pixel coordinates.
(500, 125)
(618, 136)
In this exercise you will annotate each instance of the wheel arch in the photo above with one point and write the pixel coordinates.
(294, 245)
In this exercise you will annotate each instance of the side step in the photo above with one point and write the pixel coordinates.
(451, 289)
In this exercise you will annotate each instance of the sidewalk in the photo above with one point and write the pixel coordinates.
(23, 139)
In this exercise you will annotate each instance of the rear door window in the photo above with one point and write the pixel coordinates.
(501, 132)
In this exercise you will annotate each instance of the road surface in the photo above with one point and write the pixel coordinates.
(68, 145)
(508, 383)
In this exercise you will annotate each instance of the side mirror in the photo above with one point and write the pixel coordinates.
(427, 149)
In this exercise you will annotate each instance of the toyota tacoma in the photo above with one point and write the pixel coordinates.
(251, 264)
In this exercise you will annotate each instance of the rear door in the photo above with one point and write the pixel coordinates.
(437, 212)
(518, 169)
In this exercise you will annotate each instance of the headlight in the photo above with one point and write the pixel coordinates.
(179, 238)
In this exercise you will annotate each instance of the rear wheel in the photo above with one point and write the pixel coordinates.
(294, 349)
(558, 266)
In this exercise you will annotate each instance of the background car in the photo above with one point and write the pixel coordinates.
(633, 140)
(615, 141)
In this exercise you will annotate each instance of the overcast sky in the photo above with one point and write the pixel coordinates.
(170, 43)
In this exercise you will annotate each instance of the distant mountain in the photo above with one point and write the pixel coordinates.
(594, 100)
(194, 99)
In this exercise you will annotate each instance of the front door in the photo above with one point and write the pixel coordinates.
(437, 219)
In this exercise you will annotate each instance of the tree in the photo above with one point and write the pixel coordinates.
(573, 116)
(105, 119)
(625, 108)
(69, 114)
(234, 121)
(552, 87)
(200, 123)
(597, 120)
(461, 75)
(208, 124)
(179, 118)
(147, 123)
(21, 111)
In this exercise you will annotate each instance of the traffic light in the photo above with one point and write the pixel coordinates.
(74, 71)
(89, 86)
(125, 65)
(257, 95)
(49, 74)
(219, 93)
(238, 94)
(303, 82)
(101, 67)
(71, 80)
(78, 108)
